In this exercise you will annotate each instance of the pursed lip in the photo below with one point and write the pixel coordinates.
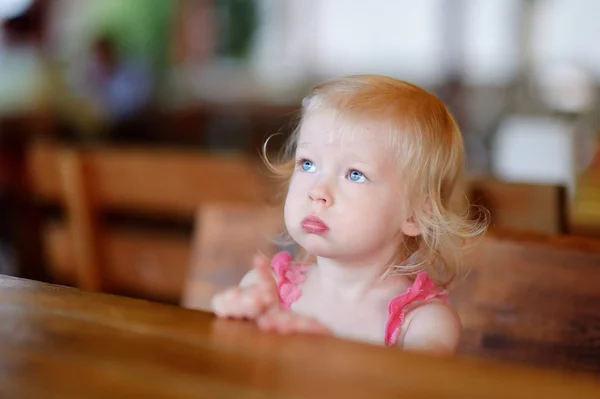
(313, 224)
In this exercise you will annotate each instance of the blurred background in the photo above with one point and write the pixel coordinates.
(219, 76)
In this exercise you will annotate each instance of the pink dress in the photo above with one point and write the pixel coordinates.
(290, 275)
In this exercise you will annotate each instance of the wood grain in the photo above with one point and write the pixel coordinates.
(136, 262)
(151, 180)
(515, 206)
(82, 219)
(145, 182)
(532, 298)
(58, 342)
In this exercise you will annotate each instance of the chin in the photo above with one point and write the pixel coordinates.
(317, 245)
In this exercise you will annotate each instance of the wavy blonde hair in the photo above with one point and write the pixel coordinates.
(430, 156)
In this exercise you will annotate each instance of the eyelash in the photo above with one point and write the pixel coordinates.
(301, 161)
(356, 170)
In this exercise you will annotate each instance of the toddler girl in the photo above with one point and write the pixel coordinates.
(370, 171)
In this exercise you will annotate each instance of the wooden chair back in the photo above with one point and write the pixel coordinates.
(541, 208)
(226, 238)
(86, 250)
(527, 298)
(532, 298)
(584, 218)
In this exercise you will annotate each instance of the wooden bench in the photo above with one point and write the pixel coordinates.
(527, 298)
(86, 249)
(532, 298)
(541, 208)
(585, 209)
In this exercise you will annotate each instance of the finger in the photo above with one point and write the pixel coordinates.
(260, 261)
(313, 326)
(215, 304)
(269, 321)
(266, 299)
(304, 324)
(301, 324)
(262, 267)
(297, 323)
(219, 307)
(218, 303)
(265, 294)
(284, 322)
(264, 323)
(230, 304)
(252, 303)
(265, 281)
(288, 324)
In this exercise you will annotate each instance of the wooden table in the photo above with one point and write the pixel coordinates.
(58, 342)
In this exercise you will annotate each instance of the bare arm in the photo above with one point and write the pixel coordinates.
(433, 328)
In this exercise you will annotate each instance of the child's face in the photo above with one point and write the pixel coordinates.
(352, 185)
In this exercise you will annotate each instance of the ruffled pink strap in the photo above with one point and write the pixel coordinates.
(288, 276)
(423, 289)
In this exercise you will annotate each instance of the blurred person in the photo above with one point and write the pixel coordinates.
(119, 88)
(22, 68)
(23, 74)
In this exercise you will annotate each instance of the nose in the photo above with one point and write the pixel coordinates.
(320, 195)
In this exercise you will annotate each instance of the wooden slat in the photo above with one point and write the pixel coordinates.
(519, 206)
(148, 182)
(151, 180)
(585, 210)
(533, 299)
(82, 219)
(147, 264)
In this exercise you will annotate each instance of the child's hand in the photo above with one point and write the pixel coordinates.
(256, 294)
(289, 322)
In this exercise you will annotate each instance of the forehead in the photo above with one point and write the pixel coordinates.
(326, 127)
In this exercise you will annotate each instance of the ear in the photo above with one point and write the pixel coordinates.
(410, 227)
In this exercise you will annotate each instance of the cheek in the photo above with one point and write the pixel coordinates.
(292, 203)
(298, 187)
(293, 190)
(379, 212)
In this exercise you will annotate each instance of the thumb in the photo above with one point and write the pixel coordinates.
(262, 265)
(260, 261)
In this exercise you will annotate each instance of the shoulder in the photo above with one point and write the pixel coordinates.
(433, 327)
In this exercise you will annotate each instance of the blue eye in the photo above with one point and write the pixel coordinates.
(308, 166)
(356, 176)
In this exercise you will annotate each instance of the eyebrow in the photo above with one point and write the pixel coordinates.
(357, 158)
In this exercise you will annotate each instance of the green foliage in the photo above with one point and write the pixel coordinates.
(141, 28)
(237, 22)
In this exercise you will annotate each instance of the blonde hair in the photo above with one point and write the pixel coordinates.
(430, 155)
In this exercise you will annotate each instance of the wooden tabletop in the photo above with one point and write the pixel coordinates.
(58, 342)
